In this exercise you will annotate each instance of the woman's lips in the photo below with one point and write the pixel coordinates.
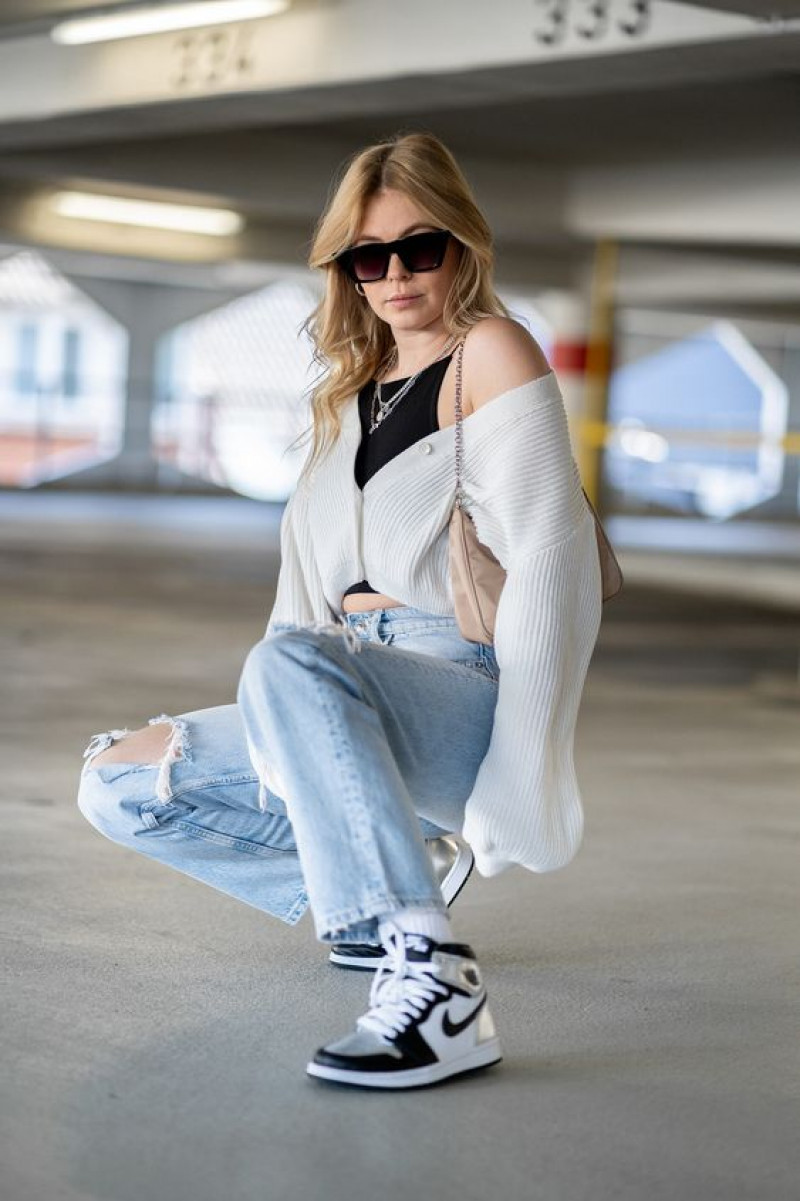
(402, 301)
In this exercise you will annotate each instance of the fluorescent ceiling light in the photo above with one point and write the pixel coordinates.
(183, 217)
(135, 22)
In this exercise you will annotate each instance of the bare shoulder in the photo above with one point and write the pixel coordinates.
(499, 354)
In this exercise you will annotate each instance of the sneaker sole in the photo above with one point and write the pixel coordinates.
(458, 879)
(483, 1056)
(370, 963)
(355, 964)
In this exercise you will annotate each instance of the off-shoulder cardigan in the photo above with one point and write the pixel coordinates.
(524, 494)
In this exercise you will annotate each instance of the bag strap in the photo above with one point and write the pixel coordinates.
(459, 432)
(610, 569)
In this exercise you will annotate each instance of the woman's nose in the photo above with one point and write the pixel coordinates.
(396, 267)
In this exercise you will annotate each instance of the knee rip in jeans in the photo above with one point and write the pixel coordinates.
(178, 747)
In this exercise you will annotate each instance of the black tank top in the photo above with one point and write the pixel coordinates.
(415, 417)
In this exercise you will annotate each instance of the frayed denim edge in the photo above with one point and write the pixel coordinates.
(179, 747)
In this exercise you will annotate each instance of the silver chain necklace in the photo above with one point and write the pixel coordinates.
(384, 408)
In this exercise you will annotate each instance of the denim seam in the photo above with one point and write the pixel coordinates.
(298, 908)
(124, 768)
(244, 845)
(203, 785)
(354, 805)
(189, 786)
(410, 628)
(478, 665)
(436, 662)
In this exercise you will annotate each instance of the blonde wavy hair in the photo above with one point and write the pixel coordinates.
(349, 341)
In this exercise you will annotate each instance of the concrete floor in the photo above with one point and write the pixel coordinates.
(155, 1032)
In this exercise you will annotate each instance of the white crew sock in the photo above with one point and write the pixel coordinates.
(430, 922)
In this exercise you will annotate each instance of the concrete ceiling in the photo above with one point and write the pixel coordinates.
(21, 18)
(535, 140)
(645, 103)
(762, 9)
(25, 15)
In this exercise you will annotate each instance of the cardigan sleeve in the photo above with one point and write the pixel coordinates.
(299, 597)
(525, 806)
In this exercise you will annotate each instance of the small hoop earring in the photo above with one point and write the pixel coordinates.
(360, 289)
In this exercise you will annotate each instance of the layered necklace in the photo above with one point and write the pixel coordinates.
(382, 408)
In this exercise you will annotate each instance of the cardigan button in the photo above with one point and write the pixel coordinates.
(425, 448)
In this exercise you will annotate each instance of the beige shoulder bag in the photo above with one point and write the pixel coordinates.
(477, 576)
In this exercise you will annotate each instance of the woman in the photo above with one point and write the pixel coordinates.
(337, 775)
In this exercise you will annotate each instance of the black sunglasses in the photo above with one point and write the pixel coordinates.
(369, 262)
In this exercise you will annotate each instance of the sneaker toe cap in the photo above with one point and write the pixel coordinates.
(359, 1044)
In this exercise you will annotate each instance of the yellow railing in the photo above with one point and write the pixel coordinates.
(597, 433)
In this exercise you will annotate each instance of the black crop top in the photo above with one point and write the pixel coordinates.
(415, 416)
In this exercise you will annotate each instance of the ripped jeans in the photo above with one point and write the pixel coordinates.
(348, 745)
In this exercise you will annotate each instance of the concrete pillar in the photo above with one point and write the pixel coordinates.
(147, 311)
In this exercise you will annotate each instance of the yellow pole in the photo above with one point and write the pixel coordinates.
(599, 352)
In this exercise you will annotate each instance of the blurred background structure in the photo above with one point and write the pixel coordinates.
(638, 163)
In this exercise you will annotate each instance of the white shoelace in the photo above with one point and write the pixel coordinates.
(400, 991)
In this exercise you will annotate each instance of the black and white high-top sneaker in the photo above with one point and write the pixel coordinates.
(428, 1020)
(452, 861)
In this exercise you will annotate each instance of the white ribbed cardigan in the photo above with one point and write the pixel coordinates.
(524, 494)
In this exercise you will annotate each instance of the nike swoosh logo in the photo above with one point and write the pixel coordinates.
(451, 1029)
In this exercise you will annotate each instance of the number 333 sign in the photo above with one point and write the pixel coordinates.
(590, 19)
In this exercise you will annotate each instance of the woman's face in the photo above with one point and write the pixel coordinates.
(389, 215)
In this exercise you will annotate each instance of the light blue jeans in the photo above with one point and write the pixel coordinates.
(375, 731)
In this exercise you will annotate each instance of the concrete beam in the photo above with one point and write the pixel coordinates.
(316, 60)
(749, 200)
(691, 278)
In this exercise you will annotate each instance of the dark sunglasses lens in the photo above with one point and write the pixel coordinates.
(424, 252)
(369, 262)
(420, 252)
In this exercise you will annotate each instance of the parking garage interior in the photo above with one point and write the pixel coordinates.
(638, 164)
